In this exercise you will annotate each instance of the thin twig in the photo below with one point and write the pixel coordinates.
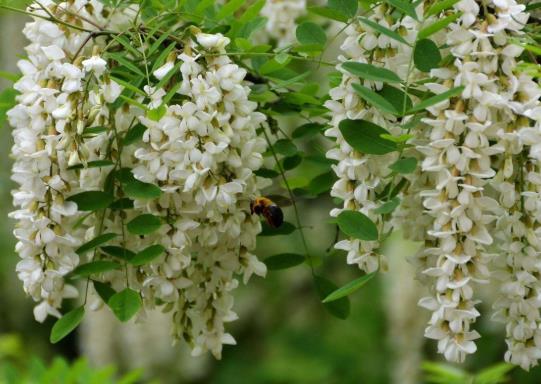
(292, 198)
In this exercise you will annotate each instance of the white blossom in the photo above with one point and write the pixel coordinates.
(281, 19)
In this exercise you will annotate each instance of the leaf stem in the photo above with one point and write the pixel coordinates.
(269, 54)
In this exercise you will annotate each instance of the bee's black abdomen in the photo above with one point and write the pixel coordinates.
(257, 209)
(275, 216)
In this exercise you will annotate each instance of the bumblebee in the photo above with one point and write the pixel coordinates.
(265, 207)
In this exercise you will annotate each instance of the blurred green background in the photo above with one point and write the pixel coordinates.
(284, 335)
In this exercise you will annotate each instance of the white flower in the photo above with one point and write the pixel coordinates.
(212, 41)
(111, 91)
(163, 70)
(43, 309)
(95, 64)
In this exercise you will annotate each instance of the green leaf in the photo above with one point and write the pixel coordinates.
(308, 130)
(128, 46)
(93, 164)
(134, 134)
(310, 33)
(261, 48)
(283, 261)
(91, 131)
(202, 5)
(252, 11)
(329, 13)
(7, 101)
(147, 255)
(285, 229)
(436, 99)
(404, 165)
(157, 113)
(125, 304)
(346, 7)
(95, 242)
(229, 9)
(120, 252)
(532, 6)
(104, 290)
(13, 77)
(335, 78)
(444, 373)
(357, 225)
(263, 96)
(365, 137)
(285, 147)
(129, 86)
(349, 288)
(375, 99)
(125, 62)
(66, 324)
(371, 72)
(404, 6)
(243, 44)
(436, 26)
(398, 139)
(412, 123)
(91, 200)
(144, 224)
(426, 55)
(321, 183)
(381, 29)
(267, 173)
(338, 308)
(494, 374)
(251, 26)
(397, 188)
(396, 97)
(136, 189)
(291, 162)
(282, 58)
(98, 266)
(124, 175)
(439, 6)
(532, 48)
(123, 203)
(308, 49)
(133, 102)
(273, 65)
(388, 206)
(300, 99)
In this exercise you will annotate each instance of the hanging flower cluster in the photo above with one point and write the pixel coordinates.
(202, 153)
(361, 177)
(150, 198)
(478, 181)
(470, 138)
(49, 121)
